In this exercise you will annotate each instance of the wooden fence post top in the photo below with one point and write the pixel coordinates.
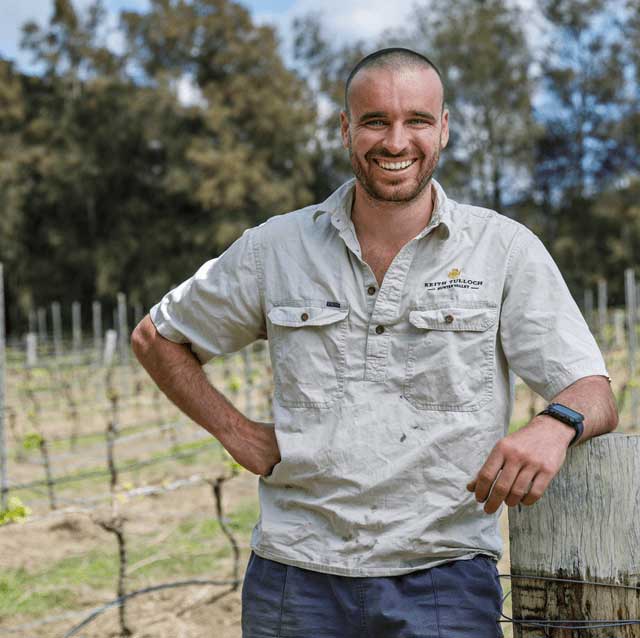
(588, 521)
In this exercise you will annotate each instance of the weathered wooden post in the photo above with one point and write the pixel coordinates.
(123, 345)
(584, 528)
(123, 328)
(42, 324)
(110, 347)
(3, 450)
(76, 326)
(31, 340)
(33, 320)
(618, 328)
(632, 340)
(96, 318)
(56, 316)
(588, 306)
(603, 331)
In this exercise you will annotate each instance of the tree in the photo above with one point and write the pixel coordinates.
(483, 55)
(113, 182)
(585, 157)
(584, 87)
(326, 68)
(247, 154)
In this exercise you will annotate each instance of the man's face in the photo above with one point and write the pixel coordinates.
(396, 131)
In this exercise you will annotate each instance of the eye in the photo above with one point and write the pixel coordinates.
(376, 123)
(419, 122)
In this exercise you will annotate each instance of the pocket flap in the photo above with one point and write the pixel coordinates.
(474, 319)
(301, 316)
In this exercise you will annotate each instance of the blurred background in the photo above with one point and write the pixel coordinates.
(138, 138)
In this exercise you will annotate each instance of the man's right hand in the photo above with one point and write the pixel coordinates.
(253, 445)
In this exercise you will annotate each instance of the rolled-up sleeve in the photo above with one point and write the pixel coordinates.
(219, 309)
(546, 341)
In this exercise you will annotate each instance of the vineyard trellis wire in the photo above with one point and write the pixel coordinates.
(66, 388)
(57, 380)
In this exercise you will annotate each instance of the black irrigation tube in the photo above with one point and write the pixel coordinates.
(118, 601)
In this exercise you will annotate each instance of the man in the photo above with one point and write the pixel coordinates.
(393, 315)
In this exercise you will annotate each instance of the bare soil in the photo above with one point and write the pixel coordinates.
(190, 612)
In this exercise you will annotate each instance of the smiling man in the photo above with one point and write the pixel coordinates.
(394, 315)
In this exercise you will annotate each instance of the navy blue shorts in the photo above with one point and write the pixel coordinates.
(459, 599)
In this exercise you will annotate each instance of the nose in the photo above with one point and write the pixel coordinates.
(395, 140)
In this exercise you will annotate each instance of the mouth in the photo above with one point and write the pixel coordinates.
(394, 167)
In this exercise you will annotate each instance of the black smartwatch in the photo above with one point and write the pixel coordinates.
(568, 416)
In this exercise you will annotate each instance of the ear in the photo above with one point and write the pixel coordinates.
(344, 128)
(444, 131)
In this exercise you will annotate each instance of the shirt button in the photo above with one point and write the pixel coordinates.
(371, 290)
(449, 318)
(379, 330)
(304, 316)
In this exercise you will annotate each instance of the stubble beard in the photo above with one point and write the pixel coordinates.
(401, 193)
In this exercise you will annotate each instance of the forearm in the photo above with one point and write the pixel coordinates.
(593, 398)
(522, 464)
(178, 373)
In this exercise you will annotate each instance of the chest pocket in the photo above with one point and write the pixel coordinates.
(308, 350)
(450, 358)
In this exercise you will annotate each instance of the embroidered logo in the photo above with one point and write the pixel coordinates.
(454, 281)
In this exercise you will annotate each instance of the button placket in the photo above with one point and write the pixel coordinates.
(385, 310)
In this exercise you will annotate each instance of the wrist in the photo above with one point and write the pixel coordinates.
(561, 431)
(568, 416)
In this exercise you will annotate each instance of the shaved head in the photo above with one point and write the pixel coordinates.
(395, 58)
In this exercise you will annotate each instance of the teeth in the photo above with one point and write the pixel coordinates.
(395, 166)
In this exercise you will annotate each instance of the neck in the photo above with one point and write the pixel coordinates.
(390, 223)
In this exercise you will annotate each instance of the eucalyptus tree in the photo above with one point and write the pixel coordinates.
(482, 51)
(587, 163)
(250, 119)
(115, 179)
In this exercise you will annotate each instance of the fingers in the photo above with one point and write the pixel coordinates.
(501, 488)
(481, 485)
(513, 487)
(520, 488)
(538, 487)
(518, 469)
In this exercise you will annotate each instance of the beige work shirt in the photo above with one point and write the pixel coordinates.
(387, 400)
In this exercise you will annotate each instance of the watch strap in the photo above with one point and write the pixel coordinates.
(576, 424)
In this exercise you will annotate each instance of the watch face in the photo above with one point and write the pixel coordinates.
(566, 412)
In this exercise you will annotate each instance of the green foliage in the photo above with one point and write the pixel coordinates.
(32, 441)
(483, 54)
(15, 512)
(106, 171)
(234, 383)
(125, 171)
(326, 66)
(587, 171)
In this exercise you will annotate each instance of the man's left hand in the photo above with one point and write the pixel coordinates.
(521, 465)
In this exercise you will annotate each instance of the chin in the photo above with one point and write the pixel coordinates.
(397, 192)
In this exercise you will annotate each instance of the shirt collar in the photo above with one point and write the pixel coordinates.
(339, 204)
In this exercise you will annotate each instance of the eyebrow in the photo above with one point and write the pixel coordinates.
(381, 114)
